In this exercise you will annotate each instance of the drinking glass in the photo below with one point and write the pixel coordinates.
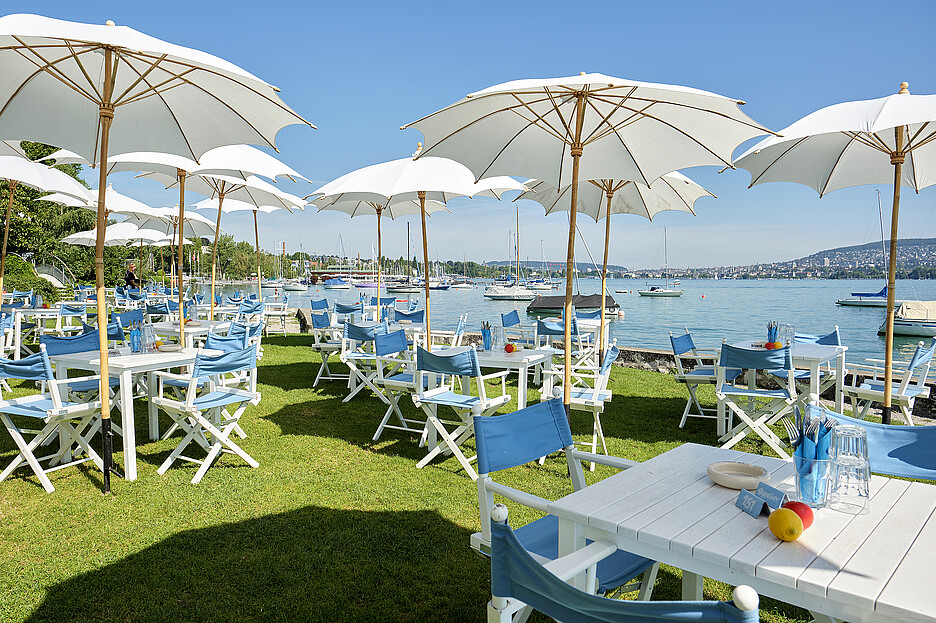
(849, 490)
(786, 334)
(812, 480)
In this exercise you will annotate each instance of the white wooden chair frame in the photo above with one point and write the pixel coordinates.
(907, 385)
(755, 418)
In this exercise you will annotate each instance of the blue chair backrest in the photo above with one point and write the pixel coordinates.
(829, 339)
(462, 363)
(129, 318)
(72, 310)
(548, 327)
(6, 321)
(136, 295)
(253, 297)
(515, 574)
(517, 438)
(320, 321)
(218, 299)
(235, 361)
(416, 316)
(510, 319)
(173, 305)
(81, 343)
(228, 300)
(356, 308)
(682, 343)
(318, 304)
(23, 295)
(610, 357)
(922, 355)
(250, 330)
(589, 315)
(251, 307)
(36, 367)
(114, 330)
(15, 304)
(905, 451)
(413, 304)
(363, 334)
(161, 309)
(390, 343)
(384, 300)
(734, 357)
(226, 343)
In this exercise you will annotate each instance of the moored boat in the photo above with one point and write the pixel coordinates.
(336, 284)
(509, 293)
(913, 318)
(660, 291)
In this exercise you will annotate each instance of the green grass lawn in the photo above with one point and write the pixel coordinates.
(330, 527)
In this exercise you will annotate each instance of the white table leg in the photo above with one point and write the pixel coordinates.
(522, 386)
(814, 383)
(151, 409)
(839, 382)
(17, 334)
(127, 423)
(571, 540)
(691, 586)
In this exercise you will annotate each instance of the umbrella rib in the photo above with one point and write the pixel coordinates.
(47, 70)
(139, 79)
(756, 178)
(681, 198)
(841, 154)
(911, 146)
(604, 118)
(565, 123)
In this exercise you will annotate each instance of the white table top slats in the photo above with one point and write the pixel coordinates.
(659, 532)
(877, 558)
(656, 499)
(783, 564)
(585, 502)
(901, 598)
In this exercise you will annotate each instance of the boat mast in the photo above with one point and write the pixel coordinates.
(518, 245)
(665, 263)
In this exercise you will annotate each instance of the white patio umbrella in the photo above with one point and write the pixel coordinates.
(17, 170)
(117, 235)
(439, 179)
(600, 199)
(62, 83)
(879, 141)
(589, 126)
(406, 207)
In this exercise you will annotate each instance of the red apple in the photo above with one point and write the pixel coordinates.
(802, 509)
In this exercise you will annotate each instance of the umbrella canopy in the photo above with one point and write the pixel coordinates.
(886, 140)
(98, 90)
(117, 235)
(166, 221)
(589, 126)
(16, 169)
(116, 203)
(439, 179)
(601, 198)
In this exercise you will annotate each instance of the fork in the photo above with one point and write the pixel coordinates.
(792, 431)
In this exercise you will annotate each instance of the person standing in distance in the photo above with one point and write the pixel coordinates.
(130, 279)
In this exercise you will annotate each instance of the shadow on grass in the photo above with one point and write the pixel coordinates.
(309, 564)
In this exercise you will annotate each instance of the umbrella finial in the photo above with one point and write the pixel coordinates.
(418, 149)
(110, 22)
(904, 88)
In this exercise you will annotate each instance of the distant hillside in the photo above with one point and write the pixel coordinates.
(916, 244)
(536, 265)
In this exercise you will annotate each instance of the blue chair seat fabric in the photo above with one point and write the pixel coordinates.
(586, 394)
(34, 408)
(798, 375)
(539, 537)
(451, 399)
(220, 399)
(93, 385)
(879, 387)
(181, 384)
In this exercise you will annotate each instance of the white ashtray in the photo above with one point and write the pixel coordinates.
(737, 475)
(170, 348)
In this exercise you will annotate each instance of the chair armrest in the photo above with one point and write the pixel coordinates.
(515, 495)
(494, 375)
(75, 379)
(570, 565)
(611, 461)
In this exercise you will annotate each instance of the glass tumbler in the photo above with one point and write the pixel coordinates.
(849, 489)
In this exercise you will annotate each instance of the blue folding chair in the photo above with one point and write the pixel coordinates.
(547, 331)
(588, 315)
(70, 318)
(357, 352)
(315, 304)
(520, 583)
(396, 374)
(158, 312)
(893, 450)
(130, 318)
(254, 333)
(443, 379)
(250, 311)
(210, 417)
(349, 313)
(518, 438)
(696, 366)
(418, 316)
(804, 377)
(326, 342)
(756, 408)
(908, 383)
(515, 332)
(53, 411)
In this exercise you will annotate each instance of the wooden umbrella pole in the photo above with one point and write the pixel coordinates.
(576, 152)
(106, 114)
(257, 242)
(604, 276)
(141, 262)
(422, 215)
(897, 159)
(214, 255)
(11, 186)
(182, 175)
(379, 260)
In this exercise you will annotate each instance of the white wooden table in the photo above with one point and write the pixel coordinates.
(201, 329)
(20, 314)
(521, 361)
(204, 310)
(125, 367)
(875, 567)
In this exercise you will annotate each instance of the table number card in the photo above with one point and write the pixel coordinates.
(751, 504)
(775, 498)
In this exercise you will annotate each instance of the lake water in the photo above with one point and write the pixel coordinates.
(711, 309)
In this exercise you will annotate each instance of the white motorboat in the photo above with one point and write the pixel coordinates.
(664, 290)
(295, 287)
(509, 293)
(868, 299)
(461, 285)
(913, 318)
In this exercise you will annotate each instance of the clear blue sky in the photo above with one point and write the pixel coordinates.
(360, 70)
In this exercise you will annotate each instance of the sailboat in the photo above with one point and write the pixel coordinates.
(665, 289)
(407, 285)
(462, 283)
(514, 291)
(299, 284)
(543, 283)
(338, 283)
